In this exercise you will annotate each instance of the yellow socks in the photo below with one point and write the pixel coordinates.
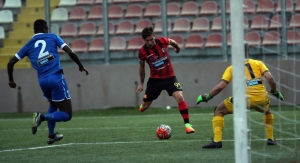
(269, 122)
(218, 125)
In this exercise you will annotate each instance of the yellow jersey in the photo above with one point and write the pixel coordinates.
(254, 70)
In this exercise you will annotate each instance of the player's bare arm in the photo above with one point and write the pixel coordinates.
(218, 88)
(142, 77)
(270, 79)
(75, 58)
(10, 69)
(174, 44)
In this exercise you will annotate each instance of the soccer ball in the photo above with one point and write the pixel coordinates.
(163, 132)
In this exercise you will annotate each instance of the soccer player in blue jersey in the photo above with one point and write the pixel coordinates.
(41, 50)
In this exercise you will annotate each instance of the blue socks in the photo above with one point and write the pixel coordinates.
(54, 116)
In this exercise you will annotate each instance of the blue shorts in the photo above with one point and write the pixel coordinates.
(55, 87)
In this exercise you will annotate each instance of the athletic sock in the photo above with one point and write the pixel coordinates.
(268, 119)
(51, 124)
(57, 116)
(218, 125)
(183, 109)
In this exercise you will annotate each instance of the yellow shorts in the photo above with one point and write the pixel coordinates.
(260, 102)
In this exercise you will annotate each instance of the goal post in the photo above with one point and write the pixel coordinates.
(239, 91)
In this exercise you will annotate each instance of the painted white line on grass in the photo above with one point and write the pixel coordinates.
(130, 142)
(120, 116)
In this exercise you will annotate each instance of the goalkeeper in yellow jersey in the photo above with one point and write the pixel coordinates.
(257, 98)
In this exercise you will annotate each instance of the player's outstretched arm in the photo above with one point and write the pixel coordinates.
(10, 69)
(272, 85)
(174, 44)
(216, 90)
(75, 58)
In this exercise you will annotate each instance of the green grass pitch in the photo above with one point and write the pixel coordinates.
(124, 135)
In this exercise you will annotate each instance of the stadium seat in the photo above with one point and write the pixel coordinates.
(265, 6)
(85, 2)
(12, 4)
(158, 26)
(111, 29)
(173, 9)
(121, 1)
(250, 7)
(6, 16)
(190, 8)
(115, 11)
(79, 45)
(100, 1)
(135, 43)
(289, 6)
(2, 33)
(59, 14)
(54, 28)
(214, 40)
(229, 39)
(200, 24)
(141, 24)
(253, 38)
(194, 41)
(227, 7)
(134, 11)
(1, 3)
(275, 22)
(297, 7)
(260, 22)
(293, 37)
(182, 25)
(271, 38)
(217, 24)
(295, 21)
(117, 43)
(152, 10)
(209, 8)
(96, 45)
(139, 0)
(179, 40)
(125, 27)
(87, 29)
(69, 30)
(96, 12)
(77, 13)
(67, 2)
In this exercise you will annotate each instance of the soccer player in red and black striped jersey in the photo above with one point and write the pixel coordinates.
(162, 76)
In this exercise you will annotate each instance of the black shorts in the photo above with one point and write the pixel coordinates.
(155, 86)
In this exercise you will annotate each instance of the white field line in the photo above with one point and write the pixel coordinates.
(132, 142)
(120, 116)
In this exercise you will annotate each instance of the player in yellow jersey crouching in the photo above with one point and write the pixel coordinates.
(257, 98)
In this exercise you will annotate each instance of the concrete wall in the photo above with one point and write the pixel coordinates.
(115, 85)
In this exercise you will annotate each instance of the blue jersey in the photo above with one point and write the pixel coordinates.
(41, 50)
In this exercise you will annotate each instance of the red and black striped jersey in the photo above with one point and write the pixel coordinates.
(158, 59)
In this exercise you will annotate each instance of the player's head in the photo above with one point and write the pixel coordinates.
(40, 26)
(148, 36)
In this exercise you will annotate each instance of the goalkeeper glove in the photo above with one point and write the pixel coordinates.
(203, 98)
(277, 94)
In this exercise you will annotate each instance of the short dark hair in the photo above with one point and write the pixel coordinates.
(39, 25)
(147, 31)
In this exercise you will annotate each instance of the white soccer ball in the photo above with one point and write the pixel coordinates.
(163, 131)
(168, 107)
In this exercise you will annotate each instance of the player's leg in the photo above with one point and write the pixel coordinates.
(153, 90)
(183, 110)
(220, 111)
(268, 120)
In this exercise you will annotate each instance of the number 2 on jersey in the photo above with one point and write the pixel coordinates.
(42, 51)
(44, 56)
